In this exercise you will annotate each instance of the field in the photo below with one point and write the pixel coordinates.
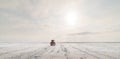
(60, 51)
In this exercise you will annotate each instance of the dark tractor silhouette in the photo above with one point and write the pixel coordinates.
(52, 43)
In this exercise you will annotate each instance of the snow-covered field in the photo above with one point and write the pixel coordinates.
(60, 51)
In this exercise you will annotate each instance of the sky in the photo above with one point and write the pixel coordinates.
(61, 20)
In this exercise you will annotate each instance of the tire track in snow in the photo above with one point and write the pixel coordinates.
(93, 53)
(87, 53)
(46, 52)
(100, 54)
(38, 53)
(13, 54)
(74, 54)
(64, 49)
(53, 53)
(12, 51)
(24, 54)
(105, 48)
(70, 53)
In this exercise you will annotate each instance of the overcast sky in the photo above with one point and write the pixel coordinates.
(61, 20)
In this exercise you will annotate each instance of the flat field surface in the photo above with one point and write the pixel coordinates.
(60, 51)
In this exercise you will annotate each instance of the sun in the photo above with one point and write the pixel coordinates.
(71, 19)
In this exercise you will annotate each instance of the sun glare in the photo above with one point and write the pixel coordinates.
(71, 19)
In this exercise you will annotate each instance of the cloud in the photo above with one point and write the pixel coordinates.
(84, 33)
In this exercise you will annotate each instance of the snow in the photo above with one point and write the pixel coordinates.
(60, 51)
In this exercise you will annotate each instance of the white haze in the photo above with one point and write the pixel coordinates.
(61, 20)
